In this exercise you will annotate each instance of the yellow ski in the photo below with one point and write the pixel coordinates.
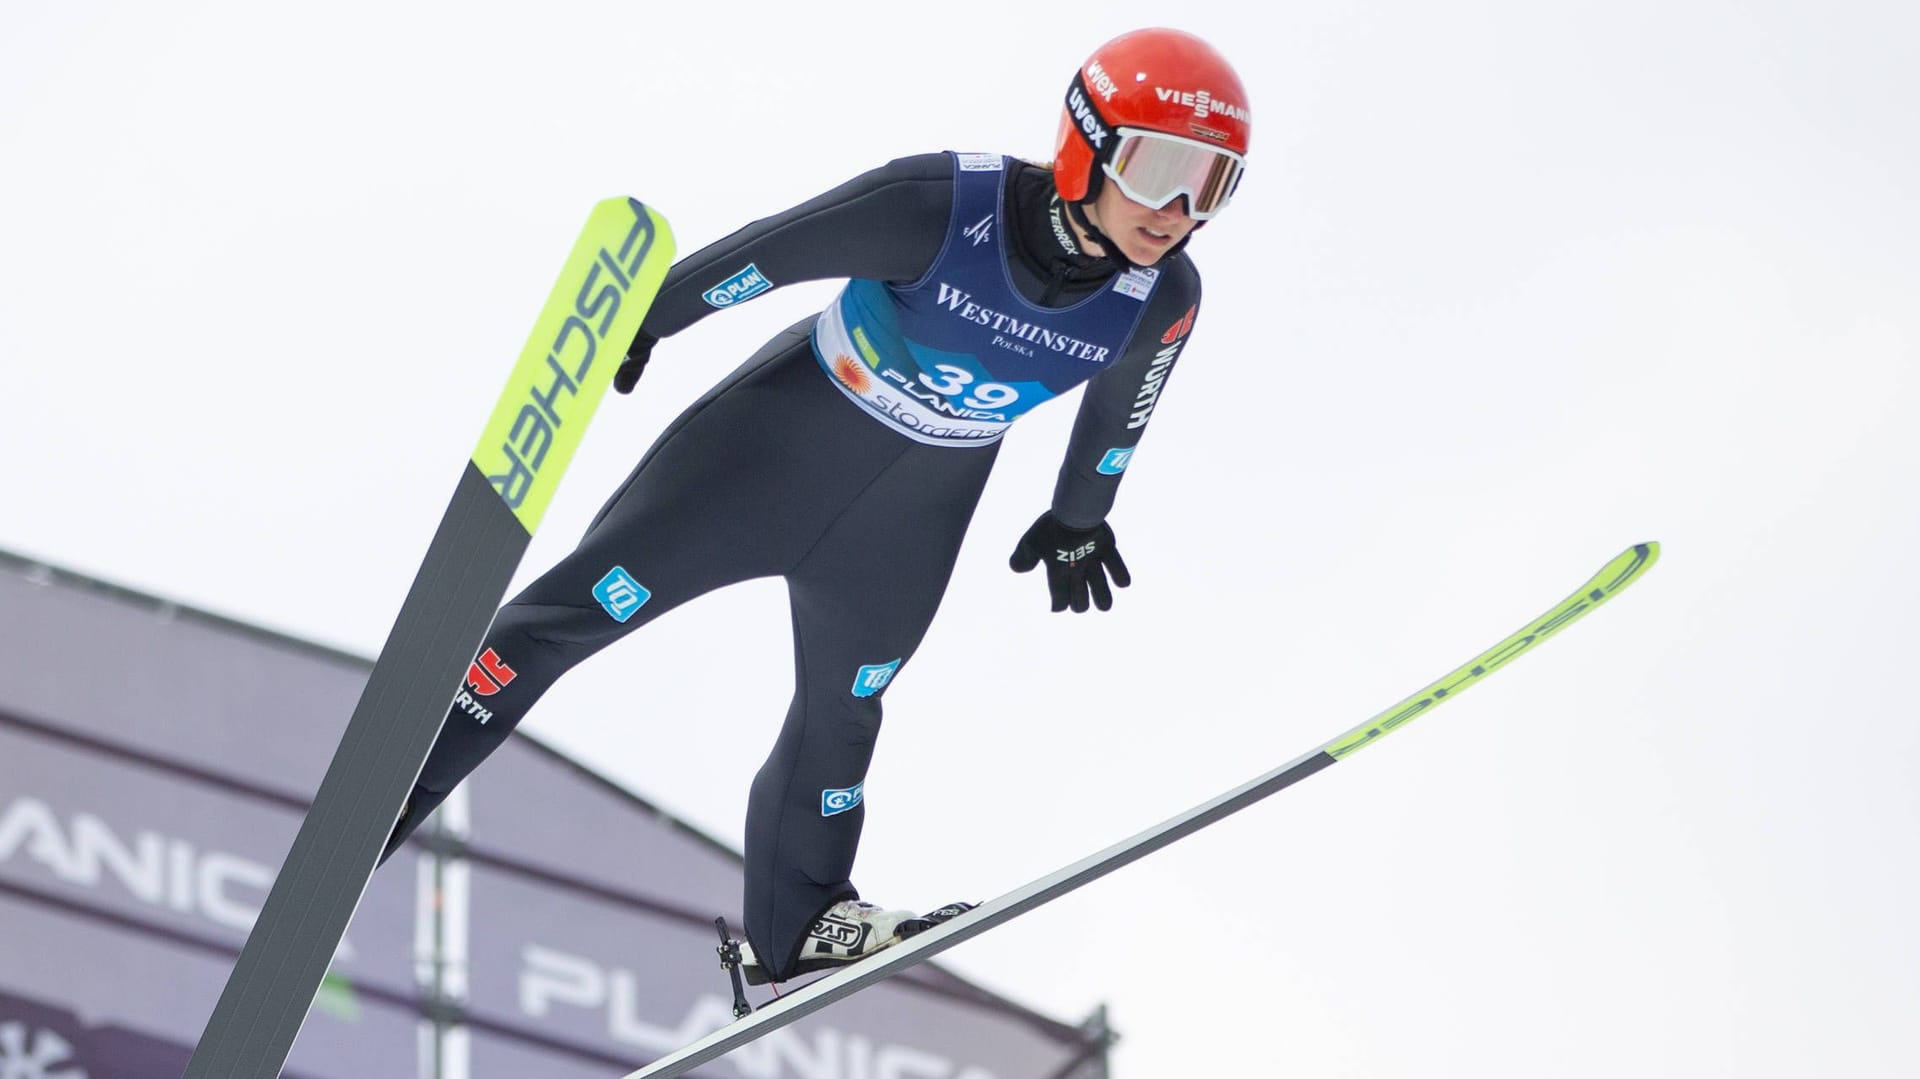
(578, 341)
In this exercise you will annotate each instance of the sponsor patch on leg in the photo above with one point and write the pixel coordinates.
(873, 678)
(834, 803)
(620, 595)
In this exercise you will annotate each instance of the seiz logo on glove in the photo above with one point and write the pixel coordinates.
(1083, 561)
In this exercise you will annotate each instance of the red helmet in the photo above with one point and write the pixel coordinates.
(1176, 91)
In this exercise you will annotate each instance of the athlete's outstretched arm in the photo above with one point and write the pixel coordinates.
(1118, 402)
(886, 225)
(1073, 538)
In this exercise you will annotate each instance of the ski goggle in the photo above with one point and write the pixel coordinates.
(1153, 169)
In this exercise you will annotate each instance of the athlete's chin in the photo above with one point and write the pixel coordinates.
(1145, 255)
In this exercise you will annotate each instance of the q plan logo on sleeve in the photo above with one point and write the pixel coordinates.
(739, 288)
(620, 594)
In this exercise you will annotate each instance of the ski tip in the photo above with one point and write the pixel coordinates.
(1641, 555)
(1651, 550)
(1626, 568)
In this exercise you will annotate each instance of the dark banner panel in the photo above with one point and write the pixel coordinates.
(495, 1057)
(634, 985)
(149, 851)
(542, 811)
(133, 998)
(181, 686)
(624, 958)
(155, 764)
(52, 1043)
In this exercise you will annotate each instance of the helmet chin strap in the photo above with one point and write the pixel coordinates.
(1078, 212)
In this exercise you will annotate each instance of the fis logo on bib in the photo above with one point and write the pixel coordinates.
(874, 678)
(620, 594)
(739, 288)
(834, 803)
(1116, 461)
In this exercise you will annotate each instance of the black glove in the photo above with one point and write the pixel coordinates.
(1079, 561)
(635, 362)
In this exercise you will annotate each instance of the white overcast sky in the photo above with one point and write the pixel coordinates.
(1509, 286)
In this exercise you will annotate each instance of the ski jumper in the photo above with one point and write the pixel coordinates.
(845, 456)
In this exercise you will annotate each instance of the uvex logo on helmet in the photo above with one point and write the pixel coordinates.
(1099, 81)
(1159, 80)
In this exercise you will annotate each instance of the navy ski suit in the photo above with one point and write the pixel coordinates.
(846, 456)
